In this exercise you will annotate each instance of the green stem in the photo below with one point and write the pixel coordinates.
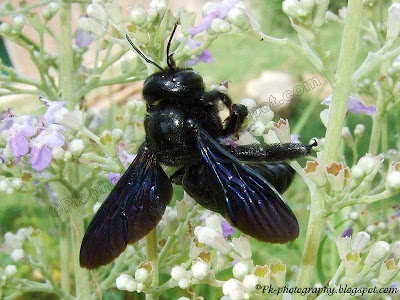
(64, 258)
(66, 55)
(311, 245)
(377, 124)
(82, 284)
(344, 82)
(152, 258)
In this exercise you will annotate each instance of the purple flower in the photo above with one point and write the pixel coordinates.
(21, 129)
(113, 178)
(40, 158)
(82, 38)
(49, 138)
(227, 229)
(219, 11)
(348, 232)
(55, 110)
(125, 158)
(205, 56)
(354, 105)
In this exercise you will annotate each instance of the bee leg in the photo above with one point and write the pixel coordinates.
(235, 120)
(197, 183)
(273, 152)
(213, 96)
(177, 177)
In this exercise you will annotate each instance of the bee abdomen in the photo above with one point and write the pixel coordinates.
(280, 175)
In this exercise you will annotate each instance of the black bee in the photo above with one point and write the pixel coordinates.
(182, 128)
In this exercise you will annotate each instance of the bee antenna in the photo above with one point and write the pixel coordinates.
(141, 53)
(170, 60)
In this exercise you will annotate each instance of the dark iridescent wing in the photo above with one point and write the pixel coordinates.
(246, 199)
(133, 208)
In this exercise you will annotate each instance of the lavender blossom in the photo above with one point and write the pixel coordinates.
(205, 56)
(49, 138)
(348, 232)
(227, 229)
(19, 133)
(83, 38)
(113, 177)
(219, 11)
(124, 156)
(354, 105)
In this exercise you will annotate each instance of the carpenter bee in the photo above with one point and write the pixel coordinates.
(182, 129)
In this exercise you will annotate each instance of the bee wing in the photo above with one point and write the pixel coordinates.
(133, 208)
(245, 198)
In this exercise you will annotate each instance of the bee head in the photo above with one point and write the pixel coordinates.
(173, 86)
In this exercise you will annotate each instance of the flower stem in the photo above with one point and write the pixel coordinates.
(344, 82)
(314, 232)
(152, 258)
(64, 258)
(82, 284)
(66, 55)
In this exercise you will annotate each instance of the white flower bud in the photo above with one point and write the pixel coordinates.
(212, 238)
(183, 298)
(257, 128)
(138, 16)
(220, 26)
(10, 191)
(67, 155)
(141, 275)
(58, 153)
(117, 134)
(393, 21)
(395, 250)
(53, 7)
(122, 281)
(230, 286)
(97, 11)
(10, 270)
(361, 241)
(367, 163)
(19, 23)
(17, 254)
(240, 270)
(159, 5)
(131, 285)
(200, 270)
(178, 273)
(346, 134)
(393, 181)
(290, 8)
(139, 287)
(3, 185)
(16, 183)
(250, 282)
(238, 17)
(381, 226)
(76, 147)
(307, 5)
(357, 172)
(92, 25)
(183, 283)
(359, 130)
(249, 103)
(370, 229)
(353, 215)
(377, 252)
(236, 295)
(5, 28)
